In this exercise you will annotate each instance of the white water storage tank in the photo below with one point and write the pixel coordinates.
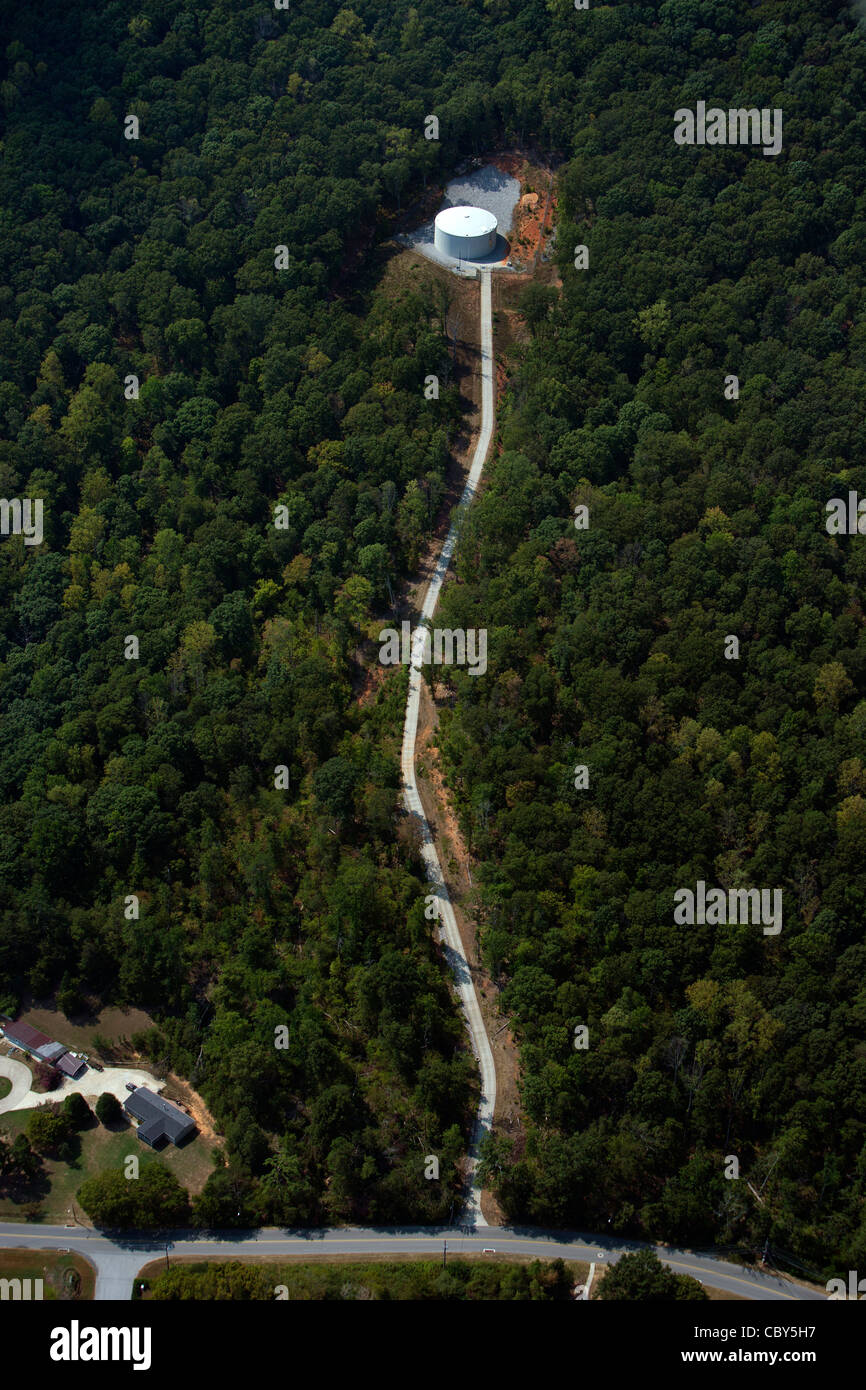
(467, 234)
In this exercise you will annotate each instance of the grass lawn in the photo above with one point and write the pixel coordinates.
(98, 1148)
(5, 1087)
(64, 1275)
(115, 1025)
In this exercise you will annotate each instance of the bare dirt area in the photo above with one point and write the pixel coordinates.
(531, 248)
(371, 680)
(116, 1025)
(189, 1100)
(534, 215)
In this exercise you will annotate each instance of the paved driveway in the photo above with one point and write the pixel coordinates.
(21, 1079)
(90, 1085)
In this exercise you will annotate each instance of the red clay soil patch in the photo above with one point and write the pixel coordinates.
(371, 683)
(535, 210)
(501, 379)
(511, 162)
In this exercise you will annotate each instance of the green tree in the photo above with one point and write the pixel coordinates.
(155, 1198)
(334, 784)
(642, 1276)
(48, 1127)
(77, 1111)
(108, 1109)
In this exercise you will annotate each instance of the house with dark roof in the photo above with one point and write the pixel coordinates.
(158, 1119)
(43, 1048)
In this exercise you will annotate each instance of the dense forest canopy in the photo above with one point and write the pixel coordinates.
(607, 650)
(303, 388)
(259, 389)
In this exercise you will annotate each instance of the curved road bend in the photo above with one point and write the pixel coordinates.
(117, 1262)
(21, 1080)
(411, 798)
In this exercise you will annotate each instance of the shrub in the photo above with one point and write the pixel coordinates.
(45, 1077)
(48, 1128)
(108, 1109)
(77, 1110)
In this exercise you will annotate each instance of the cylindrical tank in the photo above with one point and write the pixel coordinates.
(467, 234)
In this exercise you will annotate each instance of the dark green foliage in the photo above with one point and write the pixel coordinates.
(108, 1109)
(301, 389)
(461, 1281)
(77, 1111)
(606, 648)
(48, 1127)
(333, 784)
(154, 1198)
(18, 1162)
(643, 1277)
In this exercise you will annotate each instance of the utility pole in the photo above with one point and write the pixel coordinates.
(444, 1252)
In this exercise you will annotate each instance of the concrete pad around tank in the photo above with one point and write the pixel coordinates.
(498, 256)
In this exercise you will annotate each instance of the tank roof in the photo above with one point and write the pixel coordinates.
(465, 221)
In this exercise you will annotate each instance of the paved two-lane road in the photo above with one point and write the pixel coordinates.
(117, 1261)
